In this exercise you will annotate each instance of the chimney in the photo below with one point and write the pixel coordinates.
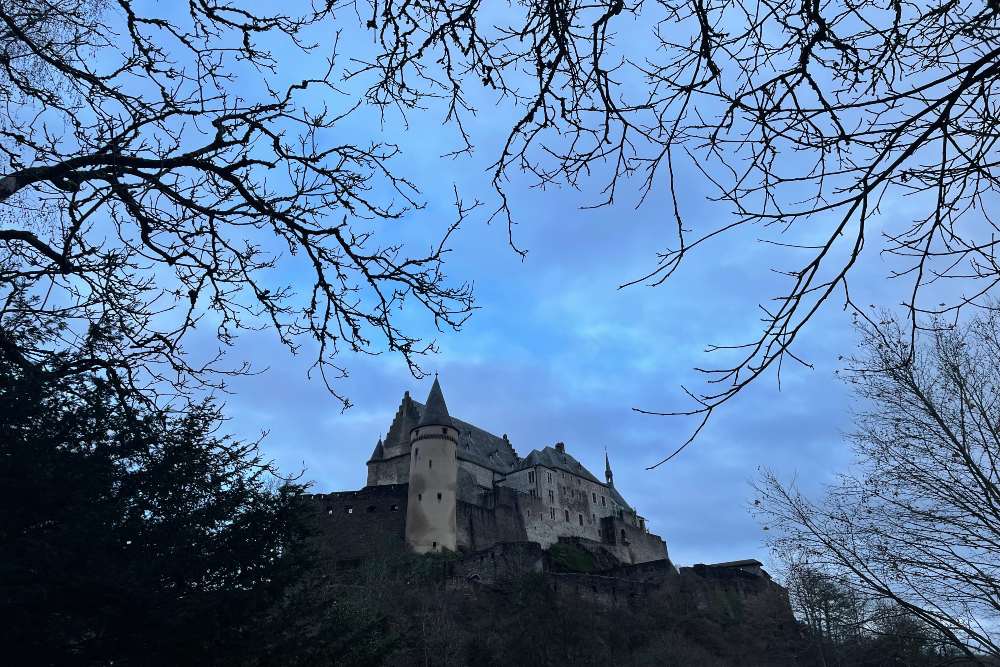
(561, 447)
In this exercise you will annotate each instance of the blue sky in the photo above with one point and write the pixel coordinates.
(556, 352)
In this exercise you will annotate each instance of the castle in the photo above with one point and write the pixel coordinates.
(437, 483)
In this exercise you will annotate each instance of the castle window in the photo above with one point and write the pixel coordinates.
(581, 519)
(430, 463)
(595, 497)
(531, 476)
(444, 429)
(552, 498)
(393, 508)
(439, 497)
(552, 512)
(567, 514)
(349, 510)
(420, 497)
(593, 518)
(549, 477)
(602, 501)
(416, 453)
(435, 544)
(371, 509)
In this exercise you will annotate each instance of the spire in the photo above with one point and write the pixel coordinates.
(379, 453)
(435, 410)
(608, 475)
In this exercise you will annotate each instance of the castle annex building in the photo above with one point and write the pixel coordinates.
(438, 483)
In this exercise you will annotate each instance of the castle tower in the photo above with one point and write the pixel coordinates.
(430, 510)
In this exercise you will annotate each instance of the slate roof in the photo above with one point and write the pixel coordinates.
(435, 412)
(552, 458)
(479, 446)
(379, 452)
(749, 562)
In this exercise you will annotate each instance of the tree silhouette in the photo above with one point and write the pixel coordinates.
(134, 536)
(148, 172)
(916, 524)
(809, 120)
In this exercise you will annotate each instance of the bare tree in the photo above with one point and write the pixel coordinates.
(812, 120)
(151, 175)
(918, 523)
(809, 119)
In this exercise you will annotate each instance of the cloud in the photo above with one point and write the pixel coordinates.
(558, 352)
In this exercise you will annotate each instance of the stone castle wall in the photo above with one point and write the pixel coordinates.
(494, 519)
(393, 470)
(631, 544)
(354, 525)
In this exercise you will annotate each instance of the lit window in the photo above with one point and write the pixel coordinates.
(348, 510)
(393, 508)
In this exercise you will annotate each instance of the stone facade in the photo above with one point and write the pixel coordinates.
(467, 490)
(354, 525)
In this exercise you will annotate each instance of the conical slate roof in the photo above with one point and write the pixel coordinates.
(435, 410)
(379, 452)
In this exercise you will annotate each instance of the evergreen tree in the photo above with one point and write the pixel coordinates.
(134, 535)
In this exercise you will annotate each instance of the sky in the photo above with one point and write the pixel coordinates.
(557, 352)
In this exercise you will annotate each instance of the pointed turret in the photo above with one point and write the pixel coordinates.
(608, 475)
(431, 521)
(379, 453)
(435, 410)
